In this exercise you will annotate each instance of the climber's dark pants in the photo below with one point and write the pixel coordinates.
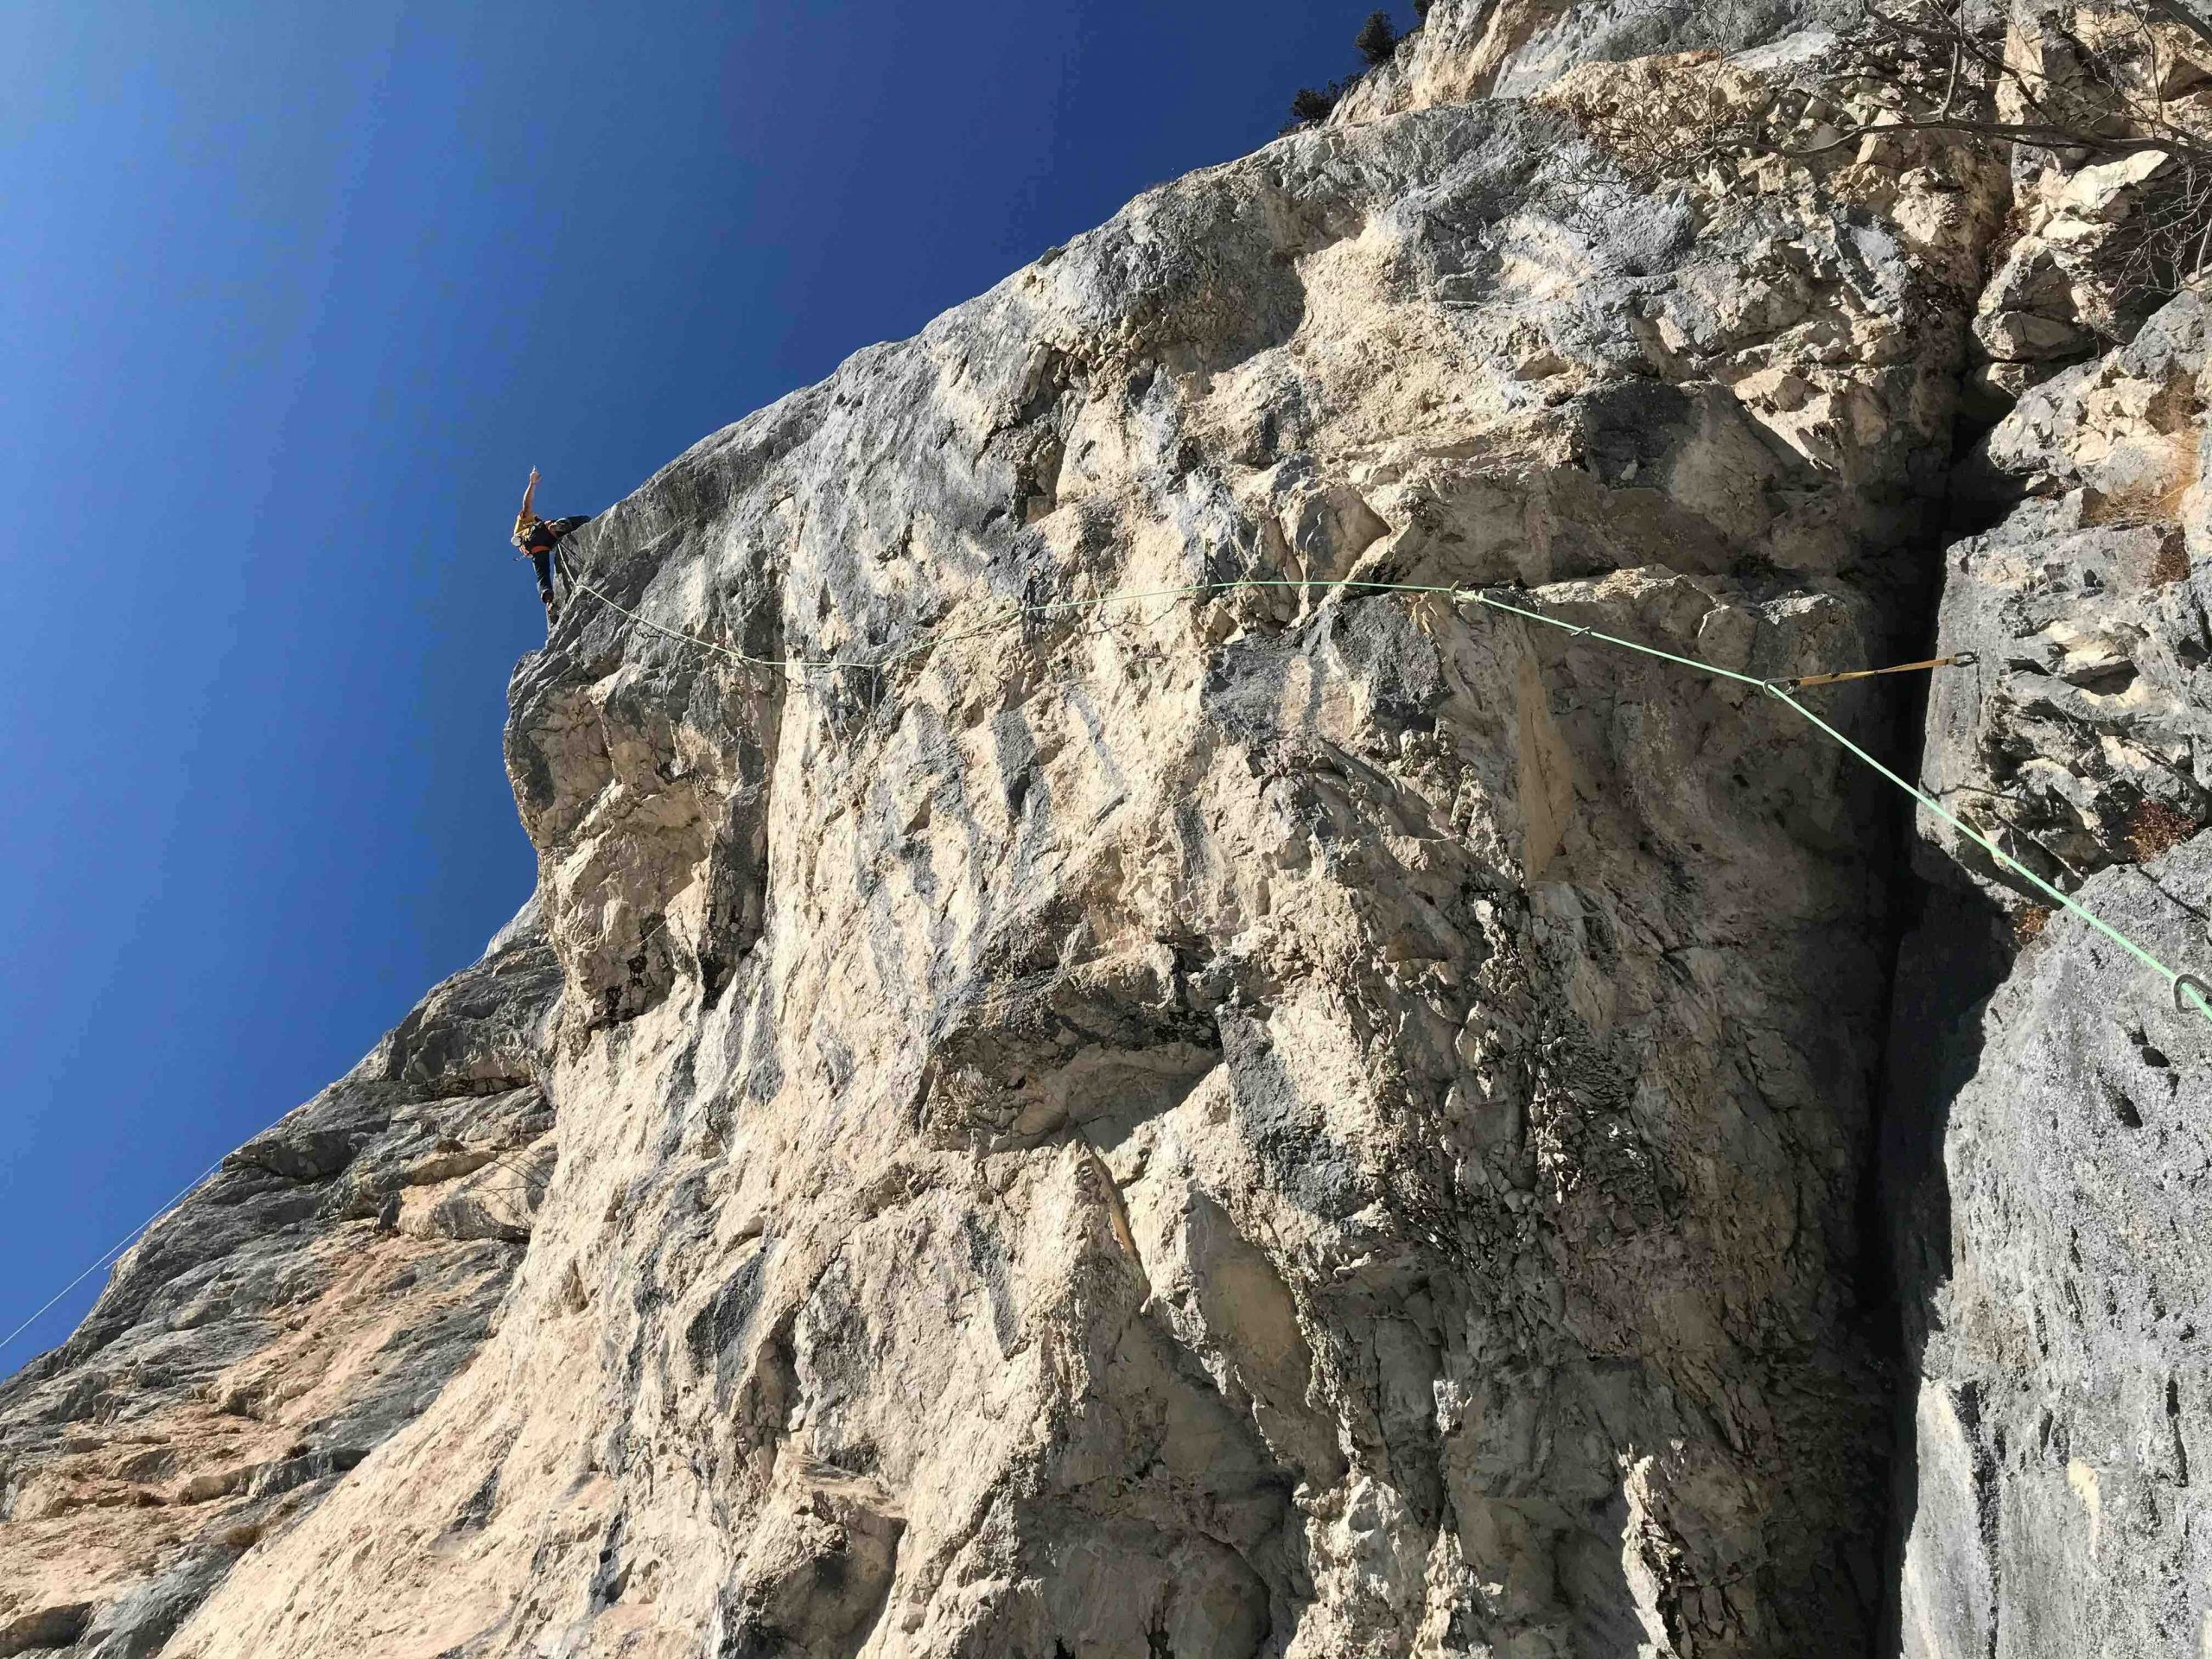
(542, 559)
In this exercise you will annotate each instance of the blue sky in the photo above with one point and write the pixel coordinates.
(293, 298)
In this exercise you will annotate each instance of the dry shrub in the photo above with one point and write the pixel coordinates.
(2172, 563)
(2028, 924)
(2085, 82)
(1662, 118)
(2157, 828)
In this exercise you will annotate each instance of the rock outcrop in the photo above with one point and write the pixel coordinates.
(2074, 742)
(2063, 1389)
(1291, 1120)
(311, 1299)
(2051, 1216)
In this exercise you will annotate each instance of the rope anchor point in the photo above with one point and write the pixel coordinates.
(2183, 982)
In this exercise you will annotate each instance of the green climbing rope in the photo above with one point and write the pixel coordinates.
(2183, 985)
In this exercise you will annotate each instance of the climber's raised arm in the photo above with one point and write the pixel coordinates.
(529, 491)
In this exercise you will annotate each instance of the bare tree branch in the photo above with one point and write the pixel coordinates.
(2071, 81)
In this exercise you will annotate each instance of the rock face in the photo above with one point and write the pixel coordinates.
(1292, 1121)
(2075, 742)
(1513, 47)
(308, 1302)
(2055, 1258)
(2063, 1391)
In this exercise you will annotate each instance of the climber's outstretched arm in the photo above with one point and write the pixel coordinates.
(529, 491)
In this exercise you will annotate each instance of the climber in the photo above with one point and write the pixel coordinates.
(540, 537)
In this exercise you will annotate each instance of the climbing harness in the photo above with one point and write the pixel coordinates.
(2187, 990)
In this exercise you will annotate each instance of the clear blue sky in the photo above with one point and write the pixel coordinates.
(291, 298)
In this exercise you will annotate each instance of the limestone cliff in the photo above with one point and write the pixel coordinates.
(313, 1297)
(2052, 1144)
(1291, 1121)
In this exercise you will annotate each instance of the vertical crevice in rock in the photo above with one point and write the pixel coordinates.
(2035, 1086)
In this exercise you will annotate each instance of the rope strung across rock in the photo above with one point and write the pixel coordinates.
(2187, 990)
(926, 639)
(114, 1250)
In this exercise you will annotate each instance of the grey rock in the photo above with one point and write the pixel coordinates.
(138, 1624)
(2045, 1140)
(2062, 1388)
(2074, 742)
(259, 1341)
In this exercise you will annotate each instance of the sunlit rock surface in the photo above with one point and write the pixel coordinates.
(1291, 1122)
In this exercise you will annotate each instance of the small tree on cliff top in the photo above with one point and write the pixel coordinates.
(1376, 39)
